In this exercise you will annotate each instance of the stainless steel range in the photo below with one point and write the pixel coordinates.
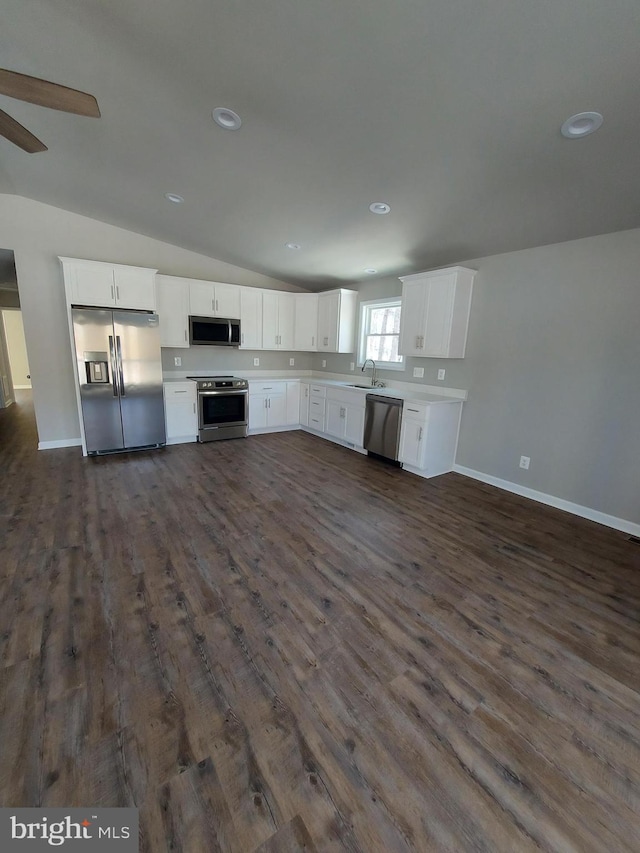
(223, 407)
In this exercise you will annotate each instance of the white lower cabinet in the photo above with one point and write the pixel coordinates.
(429, 437)
(273, 405)
(345, 416)
(304, 404)
(180, 411)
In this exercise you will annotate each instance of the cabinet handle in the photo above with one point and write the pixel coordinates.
(112, 294)
(268, 388)
(194, 408)
(217, 309)
(179, 392)
(243, 337)
(421, 341)
(342, 412)
(313, 340)
(117, 293)
(213, 305)
(417, 411)
(419, 433)
(269, 400)
(265, 402)
(185, 335)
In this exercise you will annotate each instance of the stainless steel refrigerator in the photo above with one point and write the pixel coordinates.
(120, 376)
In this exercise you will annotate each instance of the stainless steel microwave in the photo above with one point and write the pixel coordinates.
(214, 332)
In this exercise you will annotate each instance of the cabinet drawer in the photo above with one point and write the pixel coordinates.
(179, 391)
(267, 387)
(316, 406)
(415, 411)
(318, 390)
(316, 422)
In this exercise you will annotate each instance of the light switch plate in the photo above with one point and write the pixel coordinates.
(352, 366)
(441, 373)
(177, 361)
(418, 372)
(292, 361)
(525, 461)
(324, 362)
(256, 362)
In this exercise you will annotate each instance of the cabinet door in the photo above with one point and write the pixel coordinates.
(412, 318)
(293, 403)
(227, 301)
(172, 298)
(286, 310)
(306, 322)
(181, 420)
(250, 318)
(257, 411)
(92, 284)
(354, 425)
(335, 418)
(328, 311)
(135, 288)
(269, 320)
(304, 403)
(438, 315)
(202, 299)
(412, 443)
(277, 410)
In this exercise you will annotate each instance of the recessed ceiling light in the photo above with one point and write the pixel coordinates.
(581, 124)
(226, 118)
(293, 245)
(371, 271)
(174, 197)
(379, 207)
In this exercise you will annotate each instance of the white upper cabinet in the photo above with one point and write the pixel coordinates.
(336, 321)
(306, 322)
(435, 313)
(172, 297)
(109, 285)
(278, 310)
(250, 318)
(211, 299)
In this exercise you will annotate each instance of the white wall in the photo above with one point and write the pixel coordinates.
(38, 234)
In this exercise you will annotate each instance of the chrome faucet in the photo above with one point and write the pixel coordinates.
(374, 382)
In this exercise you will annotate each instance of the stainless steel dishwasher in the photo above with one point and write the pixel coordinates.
(383, 416)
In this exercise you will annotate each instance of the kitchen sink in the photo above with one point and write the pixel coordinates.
(370, 387)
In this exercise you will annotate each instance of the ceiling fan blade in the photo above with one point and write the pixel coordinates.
(19, 135)
(47, 94)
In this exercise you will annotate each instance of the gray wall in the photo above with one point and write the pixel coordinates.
(38, 233)
(552, 367)
(216, 360)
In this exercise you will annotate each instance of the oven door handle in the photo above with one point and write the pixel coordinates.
(221, 392)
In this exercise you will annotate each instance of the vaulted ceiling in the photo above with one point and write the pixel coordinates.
(447, 110)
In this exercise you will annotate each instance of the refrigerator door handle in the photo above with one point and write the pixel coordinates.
(112, 355)
(120, 373)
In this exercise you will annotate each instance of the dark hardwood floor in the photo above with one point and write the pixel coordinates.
(279, 645)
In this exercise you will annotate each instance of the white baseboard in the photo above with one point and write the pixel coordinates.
(22, 387)
(60, 442)
(550, 500)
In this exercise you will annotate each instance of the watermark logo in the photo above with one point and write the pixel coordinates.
(36, 830)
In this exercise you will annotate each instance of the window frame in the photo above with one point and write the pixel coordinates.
(364, 309)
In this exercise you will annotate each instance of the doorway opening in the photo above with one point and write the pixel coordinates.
(15, 375)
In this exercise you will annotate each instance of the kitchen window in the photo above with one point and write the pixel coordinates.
(380, 333)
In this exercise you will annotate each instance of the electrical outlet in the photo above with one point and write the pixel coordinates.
(324, 362)
(256, 362)
(352, 366)
(177, 361)
(441, 373)
(524, 462)
(418, 372)
(292, 361)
